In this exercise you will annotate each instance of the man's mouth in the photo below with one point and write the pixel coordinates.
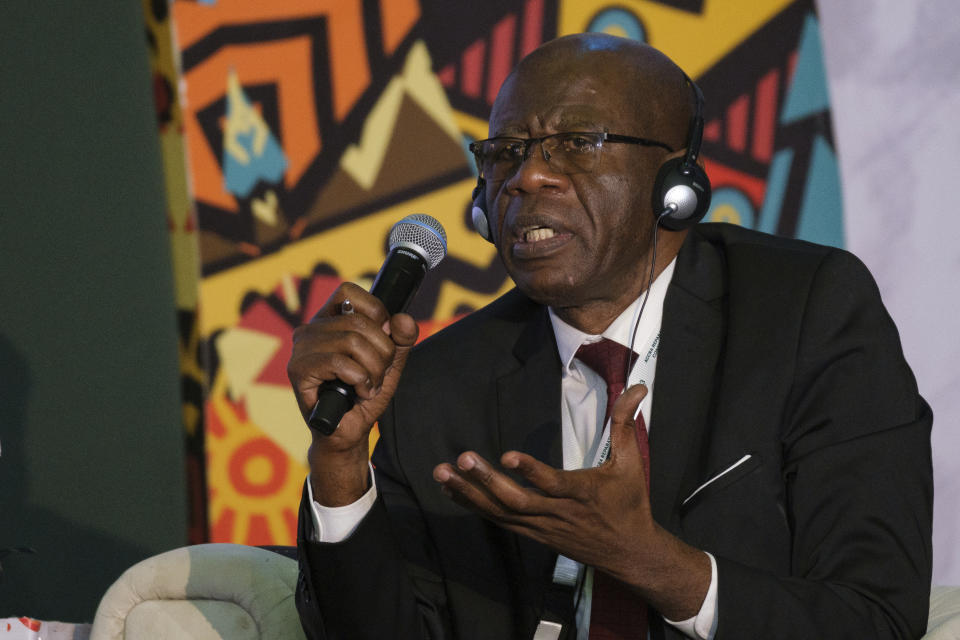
(536, 234)
(539, 240)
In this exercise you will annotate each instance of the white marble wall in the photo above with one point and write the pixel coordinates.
(894, 74)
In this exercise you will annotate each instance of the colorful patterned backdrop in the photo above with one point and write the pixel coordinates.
(304, 130)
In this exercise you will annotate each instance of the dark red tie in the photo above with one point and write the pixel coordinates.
(616, 612)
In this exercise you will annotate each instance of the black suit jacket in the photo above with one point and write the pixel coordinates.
(770, 347)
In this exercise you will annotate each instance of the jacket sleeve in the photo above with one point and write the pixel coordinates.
(858, 476)
(380, 582)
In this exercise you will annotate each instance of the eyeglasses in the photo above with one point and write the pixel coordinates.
(568, 152)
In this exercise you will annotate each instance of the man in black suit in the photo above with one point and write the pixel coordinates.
(789, 474)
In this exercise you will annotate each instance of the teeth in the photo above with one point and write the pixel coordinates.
(540, 233)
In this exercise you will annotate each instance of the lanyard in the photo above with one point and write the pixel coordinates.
(641, 373)
(567, 571)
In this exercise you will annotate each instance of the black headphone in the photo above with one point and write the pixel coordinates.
(681, 190)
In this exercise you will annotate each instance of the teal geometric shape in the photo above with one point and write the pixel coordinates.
(821, 214)
(776, 187)
(726, 198)
(241, 177)
(620, 22)
(808, 92)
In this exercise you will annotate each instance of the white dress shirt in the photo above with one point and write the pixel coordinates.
(583, 405)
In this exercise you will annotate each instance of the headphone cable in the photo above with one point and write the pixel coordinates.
(653, 265)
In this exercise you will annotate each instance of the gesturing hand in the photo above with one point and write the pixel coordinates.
(599, 517)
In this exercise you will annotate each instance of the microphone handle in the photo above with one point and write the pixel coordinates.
(395, 285)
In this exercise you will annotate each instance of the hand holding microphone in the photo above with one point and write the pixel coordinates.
(356, 338)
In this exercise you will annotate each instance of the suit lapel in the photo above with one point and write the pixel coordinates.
(684, 390)
(528, 398)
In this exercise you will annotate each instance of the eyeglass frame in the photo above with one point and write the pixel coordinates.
(529, 142)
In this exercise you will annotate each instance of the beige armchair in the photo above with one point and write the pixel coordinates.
(944, 622)
(203, 592)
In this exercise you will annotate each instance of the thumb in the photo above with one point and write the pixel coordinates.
(623, 427)
(403, 329)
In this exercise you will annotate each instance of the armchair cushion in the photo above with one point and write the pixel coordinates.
(944, 622)
(203, 592)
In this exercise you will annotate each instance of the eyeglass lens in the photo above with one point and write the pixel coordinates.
(500, 158)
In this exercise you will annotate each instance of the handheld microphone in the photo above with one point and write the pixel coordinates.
(417, 243)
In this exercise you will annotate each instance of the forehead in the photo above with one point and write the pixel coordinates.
(546, 99)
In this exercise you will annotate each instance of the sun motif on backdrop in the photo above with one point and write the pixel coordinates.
(256, 504)
(256, 501)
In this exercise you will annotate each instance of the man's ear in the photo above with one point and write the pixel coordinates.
(682, 189)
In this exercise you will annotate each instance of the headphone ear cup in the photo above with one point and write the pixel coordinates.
(479, 212)
(686, 189)
(480, 223)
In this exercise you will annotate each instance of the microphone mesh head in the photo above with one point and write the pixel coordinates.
(423, 234)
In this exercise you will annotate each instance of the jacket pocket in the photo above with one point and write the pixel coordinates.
(720, 480)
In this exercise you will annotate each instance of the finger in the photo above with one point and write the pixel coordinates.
(332, 307)
(462, 491)
(308, 372)
(354, 336)
(623, 427)
(530, 525)
(365, 328)
(481, 474)
(553, 482)
(359, 299)
(550, 525)
(478, 481)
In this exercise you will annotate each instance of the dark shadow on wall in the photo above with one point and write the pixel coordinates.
(73, 564)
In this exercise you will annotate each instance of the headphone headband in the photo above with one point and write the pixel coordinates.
(681, 191)
(695, 133)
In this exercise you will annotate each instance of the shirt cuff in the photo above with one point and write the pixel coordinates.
(335, 524)
(702, 626)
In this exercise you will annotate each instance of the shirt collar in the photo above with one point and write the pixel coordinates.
(570, 338)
